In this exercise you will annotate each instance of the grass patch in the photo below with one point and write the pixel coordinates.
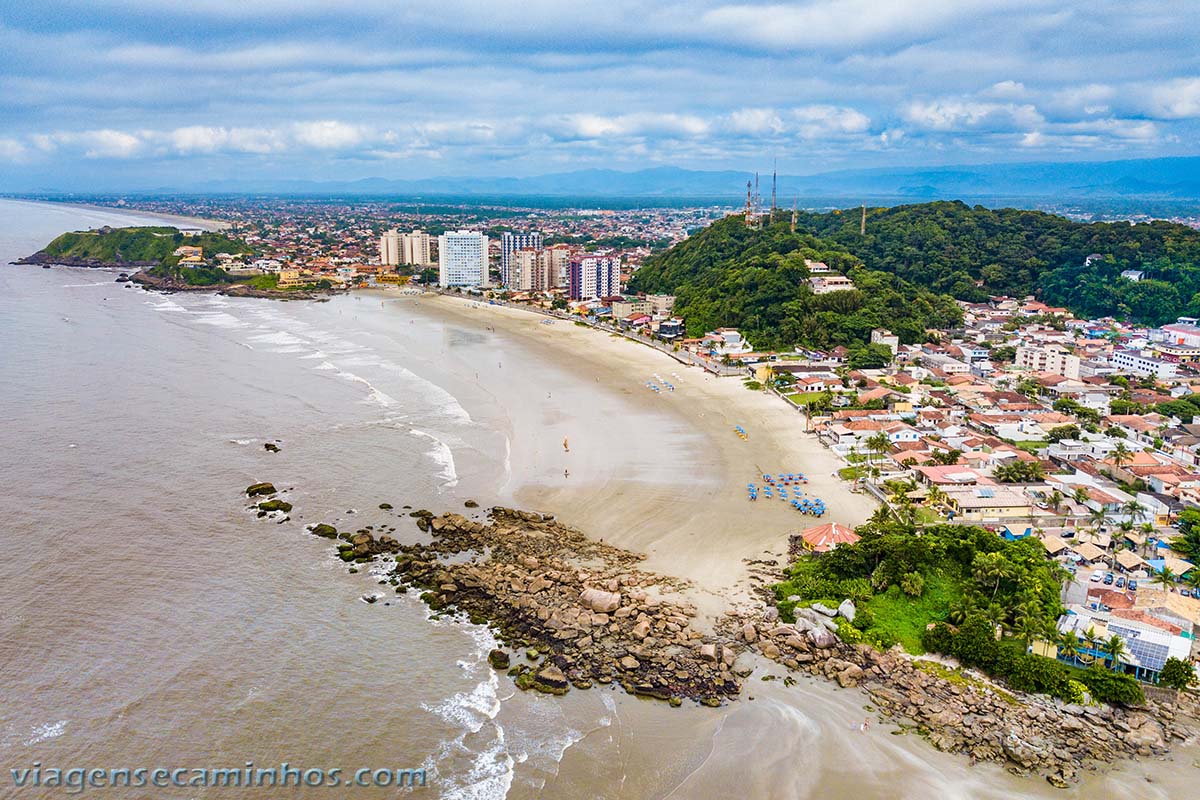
(904, 618)
(804, 398)
(851, 473)
(1031, 446)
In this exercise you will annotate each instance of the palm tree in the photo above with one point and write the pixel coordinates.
(1097, 517)
(1080, 495)
(1068, 646)
(1055, 500)
(1166, 579)
(1028, 628)
(935, 495)
(1192, 579)
(1113, 649)
(960, 609)
(1093, 641)
(878, 443)
(1135, 510)
(1121, 454)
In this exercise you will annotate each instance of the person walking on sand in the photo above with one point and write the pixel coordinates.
(866, 725)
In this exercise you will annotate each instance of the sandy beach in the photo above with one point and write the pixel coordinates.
(704, 534)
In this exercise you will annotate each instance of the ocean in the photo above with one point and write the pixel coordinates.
(149, 619)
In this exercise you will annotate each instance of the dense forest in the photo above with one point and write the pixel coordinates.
(756, 280)
(972, 252)
(119, 246)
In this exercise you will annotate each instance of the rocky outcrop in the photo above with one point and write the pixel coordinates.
(256, 489)
(591, 615)
(962, 711)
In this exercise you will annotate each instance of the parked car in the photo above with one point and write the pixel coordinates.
(1097, 575)
(1185, 593)
(1108, 579)
(1132, 585)
(1121, 582)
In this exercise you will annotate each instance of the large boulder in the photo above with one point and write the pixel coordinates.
(850, 676)
(824, 609)
(822, 638)
(498, 659)
(600, 600)
(846, 609)
(322, 529)
(255, 489)
(551, 680)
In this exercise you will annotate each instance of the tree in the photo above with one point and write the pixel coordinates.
(1019, 472)
(1092, 639)
(878, 443)
(1080, 495)
(1068, 646)
(1178, 674)
(1121, 454)
(869, 356)
(913, 584)
(1061, 432)
(1165, 578)
(945, 457)
(1055, 500)
(1188, 540)
(1135, 510)
(1028, 628)
(429, 275)
(1113, 648)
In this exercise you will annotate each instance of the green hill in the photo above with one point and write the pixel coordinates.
(972, 252)
(756, 280)
(135, 246)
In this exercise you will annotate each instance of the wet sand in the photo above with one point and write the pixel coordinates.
(700, 526)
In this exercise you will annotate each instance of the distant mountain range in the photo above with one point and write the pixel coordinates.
(1169, 181)
(1160, 178)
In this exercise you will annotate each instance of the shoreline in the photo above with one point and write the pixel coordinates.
(713, 543)
(706, 536)
(197, 222)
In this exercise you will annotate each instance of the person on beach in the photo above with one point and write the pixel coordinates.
(866, 725)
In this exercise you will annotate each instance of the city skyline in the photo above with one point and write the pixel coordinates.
(159, 95)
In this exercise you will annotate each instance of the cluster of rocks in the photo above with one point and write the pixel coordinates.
(580, 607)
(272, 506)
(963, 712)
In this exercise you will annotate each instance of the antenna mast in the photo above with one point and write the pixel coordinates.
(774, 179)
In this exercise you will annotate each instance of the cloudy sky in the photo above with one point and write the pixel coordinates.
(110, 93)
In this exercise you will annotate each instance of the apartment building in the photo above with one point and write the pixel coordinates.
(1048, 359)
(462, 259)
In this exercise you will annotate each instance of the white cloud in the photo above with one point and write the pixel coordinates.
(1178, 99)
(12, 150)
(816, 122)
(327, 134)
(954, 114)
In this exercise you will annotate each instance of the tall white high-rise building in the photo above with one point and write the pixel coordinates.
(389, 248)
(462, 259)
(510, 243)
(415, 249)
